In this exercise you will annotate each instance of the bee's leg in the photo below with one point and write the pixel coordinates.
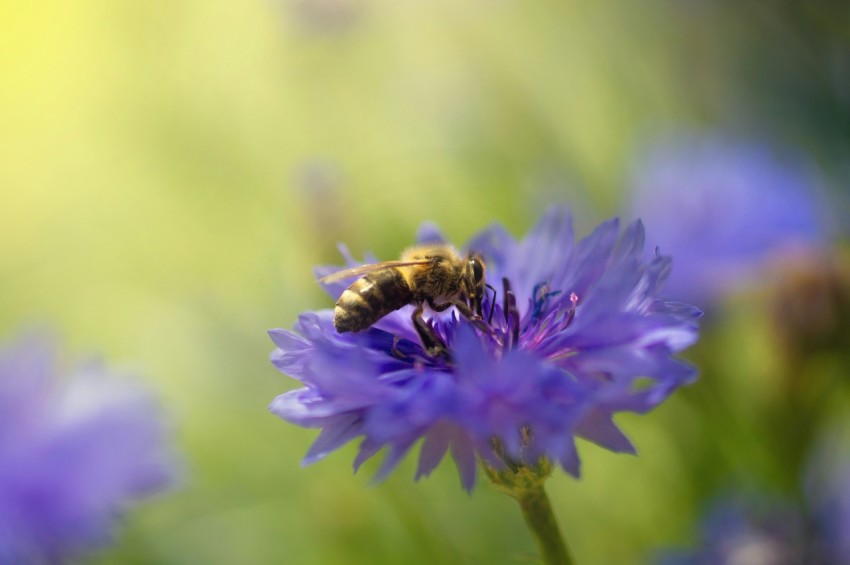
(492, 305)
(439, 307)
(430, 340)
(466, 312)
(396, 352)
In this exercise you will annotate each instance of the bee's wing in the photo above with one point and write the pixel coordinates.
(371, 268)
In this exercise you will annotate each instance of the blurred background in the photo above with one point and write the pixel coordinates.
(172, 171)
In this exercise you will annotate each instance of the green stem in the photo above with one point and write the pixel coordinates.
(525, 484)
(538, 514)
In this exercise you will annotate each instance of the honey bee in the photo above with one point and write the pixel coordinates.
(433, 274)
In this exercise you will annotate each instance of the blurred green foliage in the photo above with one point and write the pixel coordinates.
(172, 171)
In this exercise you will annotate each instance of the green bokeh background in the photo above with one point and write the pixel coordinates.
(172, 171)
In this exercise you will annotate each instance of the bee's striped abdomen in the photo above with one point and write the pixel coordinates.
(371, 298)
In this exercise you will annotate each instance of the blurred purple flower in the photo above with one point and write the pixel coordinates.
(827, 489)
(721, 207)
(577, 333)
(750, 531)
(75, 450)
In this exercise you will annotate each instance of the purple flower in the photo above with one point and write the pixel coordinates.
(722, 207)
(75, 450)
(753, 531)
(812, 528)
(827, 489)
(576, 334)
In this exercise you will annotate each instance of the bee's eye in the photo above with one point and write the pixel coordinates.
(477, 270)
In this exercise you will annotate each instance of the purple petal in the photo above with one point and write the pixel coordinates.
(464, 456)
(336, 433)
(429, 233)
(368, 449)
(598, 427)
(394, 455)
(567, 457)
(433, 449)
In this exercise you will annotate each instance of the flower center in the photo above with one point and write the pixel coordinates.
(541, 295)
(542, 320)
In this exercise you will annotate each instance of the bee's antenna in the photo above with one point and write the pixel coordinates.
(492, 303)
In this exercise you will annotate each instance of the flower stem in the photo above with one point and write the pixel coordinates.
(538, 514)
(525, 484)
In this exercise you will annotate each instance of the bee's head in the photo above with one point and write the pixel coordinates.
(476, 280)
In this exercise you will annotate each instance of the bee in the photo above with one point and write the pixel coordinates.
(434, 275)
